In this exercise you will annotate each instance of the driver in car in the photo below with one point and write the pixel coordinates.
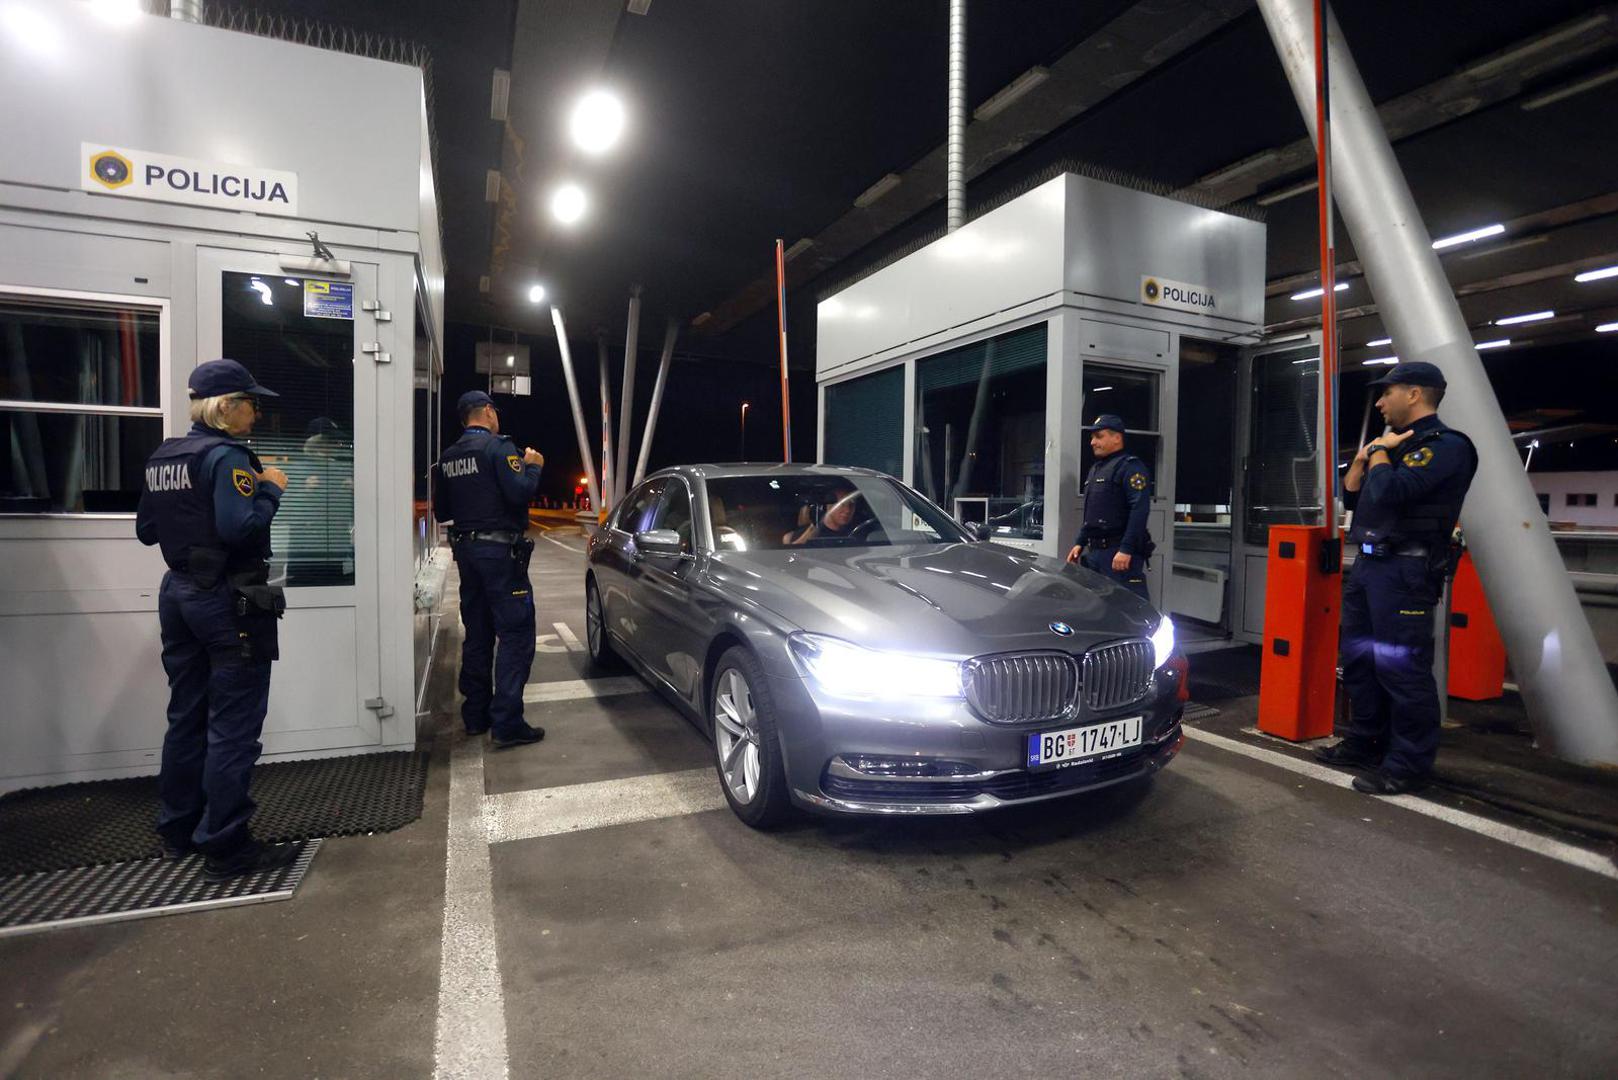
(837, 521)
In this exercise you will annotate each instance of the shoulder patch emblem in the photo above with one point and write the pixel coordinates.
(515, 462)
(1418, 458)
(242, 481)
(1137, 481)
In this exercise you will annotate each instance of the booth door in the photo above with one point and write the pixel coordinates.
(304, 336)
(1279, 482)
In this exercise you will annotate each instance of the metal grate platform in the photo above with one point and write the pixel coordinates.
(84, 896)
(1197, 711)
(111, 821)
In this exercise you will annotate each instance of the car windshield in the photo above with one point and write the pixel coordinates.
(765, 513)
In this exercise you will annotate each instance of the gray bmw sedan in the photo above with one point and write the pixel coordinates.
(849, 647)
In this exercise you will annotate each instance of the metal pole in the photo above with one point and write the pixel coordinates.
(786, 395)
(1564, 680)
(957, 114)
(609, 486)
(578, 410)
(1328, 280)
(657, 400)
(626, 407)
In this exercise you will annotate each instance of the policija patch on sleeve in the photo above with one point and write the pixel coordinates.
(515, 462)
(1138, 481)
(242, 481)
(1418, 458)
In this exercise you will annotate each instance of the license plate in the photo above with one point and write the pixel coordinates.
(1074, 746)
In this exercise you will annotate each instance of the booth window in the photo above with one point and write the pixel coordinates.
(1131, 394)
(308, 431)
(424, 439)
(980, 432)
(1283, 471)
(865, 422)
(80, 404)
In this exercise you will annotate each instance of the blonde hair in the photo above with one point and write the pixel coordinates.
(210, 411)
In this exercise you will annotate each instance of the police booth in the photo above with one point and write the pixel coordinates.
(969, 366)
(156, 199)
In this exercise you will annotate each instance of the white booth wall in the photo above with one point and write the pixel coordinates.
(83, 689)
(1121, 282)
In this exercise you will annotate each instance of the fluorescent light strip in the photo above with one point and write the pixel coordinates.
(1011, 92)
(1310, 294)
(1468, 237)
(1596, 275)
(1538, 316)
(1607, 328)
(1567, 90)
(1386, 360)
(1286, 193)
(1379, 341)
(1498, 344)
(877, 190)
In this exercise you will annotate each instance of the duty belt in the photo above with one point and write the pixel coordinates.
(1408, 549)
(1104, 542)
(498, 536)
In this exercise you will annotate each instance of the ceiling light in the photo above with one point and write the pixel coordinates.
(1386, 360)
(1607, 328)
(1498, 344)
(1310, 294)
(32, 29)
(1011, 92)
(536, 293)
(597, 122)
(1468, 237)
(500, 95)
(1379, 341)
(1538, 316)
(263, 291)
(1596, 275)
(797, 249)
(294, 282)
(1098, 389)
(1499, 62)
(511, 361)
(876, 190)
(491, 186)
(568, 203)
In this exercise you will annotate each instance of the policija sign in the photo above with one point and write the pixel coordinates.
(141, 174)
(1161, 292)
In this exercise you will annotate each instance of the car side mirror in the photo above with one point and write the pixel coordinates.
(659, 542)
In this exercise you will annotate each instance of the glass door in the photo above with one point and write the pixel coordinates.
(304, 337)
(1134, 394)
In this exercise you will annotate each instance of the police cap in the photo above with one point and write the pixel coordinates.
(216, 378)
(1107, 421)
(1412, 373)
(470, 401)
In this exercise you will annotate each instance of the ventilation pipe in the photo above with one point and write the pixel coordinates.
(1564, 680)
(186, 10)
(957, 114)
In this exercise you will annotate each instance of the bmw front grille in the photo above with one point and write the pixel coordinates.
(1116, 675)
(1041, 687)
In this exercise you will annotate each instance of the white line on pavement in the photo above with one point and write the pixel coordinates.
(525, 815)
(470, 1040)
(1506, 834)
(569, 638)
(558, 543)
(570, 689)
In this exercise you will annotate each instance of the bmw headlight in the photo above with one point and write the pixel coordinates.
(1163, 641)
(844, 669)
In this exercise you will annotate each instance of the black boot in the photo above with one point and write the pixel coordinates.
(249, 858)
(519, 737)
(1350, 754)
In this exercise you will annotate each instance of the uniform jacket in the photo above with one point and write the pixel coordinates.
(1417, 497)
(483, 483)
(1117, 496)
(202, 489)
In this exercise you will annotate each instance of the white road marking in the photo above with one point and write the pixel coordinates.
(470, 1039)
(569, 638)
(1507, 834)
(571, 689)
(525, 815)
(558, 543)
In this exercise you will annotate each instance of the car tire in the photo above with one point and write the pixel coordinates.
(747, 749)
(602, 655)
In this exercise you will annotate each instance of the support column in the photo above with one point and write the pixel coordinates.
(578, 411)
(1564, 679)
(657, 400)
(609, 485)
(626, 413)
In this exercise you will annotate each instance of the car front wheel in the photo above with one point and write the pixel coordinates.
(747, 754)
(595, 628)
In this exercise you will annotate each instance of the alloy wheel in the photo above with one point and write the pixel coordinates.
(736, 735)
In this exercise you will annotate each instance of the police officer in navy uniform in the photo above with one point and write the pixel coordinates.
(1406, 489)
(1117, 494)
(207, 502)
(484, 486)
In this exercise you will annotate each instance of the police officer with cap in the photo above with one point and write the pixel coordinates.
(1113, 540)
(207, 502)
(484, 486)
(1405, 488)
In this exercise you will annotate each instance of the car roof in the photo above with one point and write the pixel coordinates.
(725, 470)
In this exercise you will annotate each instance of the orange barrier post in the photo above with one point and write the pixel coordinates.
(1298, 677)
(1477, 655)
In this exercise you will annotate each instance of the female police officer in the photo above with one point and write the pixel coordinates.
(207, 503)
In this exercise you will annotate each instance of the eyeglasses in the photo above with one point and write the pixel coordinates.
(251, 400)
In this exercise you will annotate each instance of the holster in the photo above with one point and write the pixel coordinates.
(252, 590)
(523, 551)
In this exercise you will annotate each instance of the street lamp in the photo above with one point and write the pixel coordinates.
(745, 407)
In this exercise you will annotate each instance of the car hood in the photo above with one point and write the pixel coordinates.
(941, 599)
